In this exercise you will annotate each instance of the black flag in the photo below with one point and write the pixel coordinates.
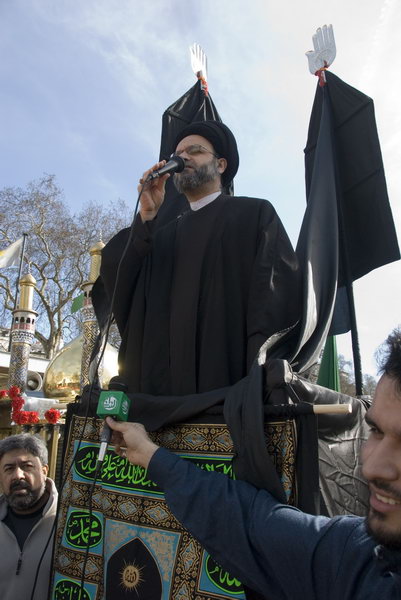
(348, 228)
(368, 238)
(317, 247)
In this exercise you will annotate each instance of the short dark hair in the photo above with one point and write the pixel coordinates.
(25, 441)
(388, 356)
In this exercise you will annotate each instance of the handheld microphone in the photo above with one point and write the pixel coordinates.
(176, 164)
(112, 403)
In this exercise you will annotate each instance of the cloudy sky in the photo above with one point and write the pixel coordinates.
(84, 85)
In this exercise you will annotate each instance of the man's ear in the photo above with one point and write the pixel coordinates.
(222, 165)
(45, 469)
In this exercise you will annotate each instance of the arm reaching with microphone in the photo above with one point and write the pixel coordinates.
(252, 536)
(132, 441)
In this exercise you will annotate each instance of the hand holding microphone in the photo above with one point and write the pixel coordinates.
(176, 164)
(132, 442)
(113, 406)
(112, 403)
(152, 184)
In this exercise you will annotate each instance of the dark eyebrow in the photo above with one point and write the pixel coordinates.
(7, 465)
(369, 421)
(24, 462)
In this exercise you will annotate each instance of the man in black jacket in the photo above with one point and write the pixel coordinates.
(196, 298)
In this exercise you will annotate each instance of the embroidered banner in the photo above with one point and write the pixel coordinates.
(137, 549)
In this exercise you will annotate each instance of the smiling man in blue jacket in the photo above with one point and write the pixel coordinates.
(275, 549)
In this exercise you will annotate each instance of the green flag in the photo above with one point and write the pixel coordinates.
(329, 375)
(77, 303)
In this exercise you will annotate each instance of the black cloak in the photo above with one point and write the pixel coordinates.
(197, 297)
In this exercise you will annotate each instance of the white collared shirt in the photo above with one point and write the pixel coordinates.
(204, 201)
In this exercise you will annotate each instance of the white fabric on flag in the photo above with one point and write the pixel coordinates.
(10, 256)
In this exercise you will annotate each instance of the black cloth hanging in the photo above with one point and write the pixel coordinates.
(368, 237)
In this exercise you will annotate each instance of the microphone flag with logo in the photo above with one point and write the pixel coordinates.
(113, 403)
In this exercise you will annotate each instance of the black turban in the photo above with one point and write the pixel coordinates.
(222, 140)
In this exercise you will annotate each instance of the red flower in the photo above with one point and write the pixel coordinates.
(3, 393)
(17, 403)
(14, 391)
(21, 418)
(33, 416)
(52, 415)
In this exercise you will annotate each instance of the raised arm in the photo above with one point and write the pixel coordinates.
(268, 546)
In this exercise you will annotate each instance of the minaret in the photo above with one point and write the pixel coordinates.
(22, 333)
(90, 326)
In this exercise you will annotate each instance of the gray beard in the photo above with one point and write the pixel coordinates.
(187, 182)
(27, 500)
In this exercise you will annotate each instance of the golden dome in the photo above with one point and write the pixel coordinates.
(63, 373)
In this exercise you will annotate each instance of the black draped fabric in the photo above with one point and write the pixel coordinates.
(198, 297)
(317, 248)
(367, 235)
(192, 106)
(348, 228)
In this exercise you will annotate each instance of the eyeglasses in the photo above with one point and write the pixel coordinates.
(195, 149)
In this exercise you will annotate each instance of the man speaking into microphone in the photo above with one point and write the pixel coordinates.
(196, 298)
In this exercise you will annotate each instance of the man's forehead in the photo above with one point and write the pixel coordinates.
(18, 455)
(387, 399)
(194, 139)
(387, 389)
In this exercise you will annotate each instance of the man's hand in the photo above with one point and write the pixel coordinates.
(131, 441)
(152, 192)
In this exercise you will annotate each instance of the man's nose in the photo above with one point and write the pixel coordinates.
(18, 473)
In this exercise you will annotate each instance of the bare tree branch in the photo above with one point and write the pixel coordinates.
(57, 252)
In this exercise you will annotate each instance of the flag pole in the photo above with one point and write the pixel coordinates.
(21, 260)
(356, 352)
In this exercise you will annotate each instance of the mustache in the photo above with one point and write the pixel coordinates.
(19, 485)
(188, 163)
(386, 487)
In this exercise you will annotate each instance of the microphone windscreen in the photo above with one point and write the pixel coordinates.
(180, 163)
(113, 403)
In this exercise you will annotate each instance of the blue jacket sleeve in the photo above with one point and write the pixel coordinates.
(274, 549)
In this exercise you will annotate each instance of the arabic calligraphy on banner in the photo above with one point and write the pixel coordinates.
(119, 473)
